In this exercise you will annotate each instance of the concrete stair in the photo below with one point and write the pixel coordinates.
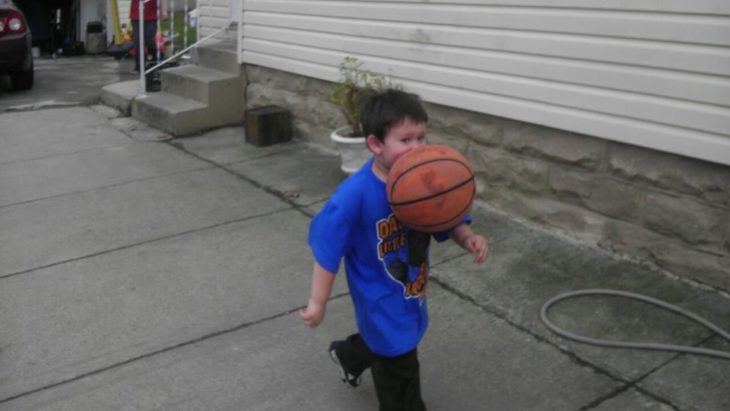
(196, 97)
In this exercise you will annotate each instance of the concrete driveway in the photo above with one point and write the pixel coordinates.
(140, 272)
(65, 81)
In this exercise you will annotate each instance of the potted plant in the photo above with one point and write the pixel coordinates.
(354, 84)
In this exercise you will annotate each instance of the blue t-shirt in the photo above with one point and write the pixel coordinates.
(388, 293)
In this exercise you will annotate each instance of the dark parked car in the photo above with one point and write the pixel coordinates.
(16, 56)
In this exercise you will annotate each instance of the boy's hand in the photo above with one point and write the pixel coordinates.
(313, 314)
(477, 245)
(473, 243)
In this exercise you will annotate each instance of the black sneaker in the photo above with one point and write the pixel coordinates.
(347, 377)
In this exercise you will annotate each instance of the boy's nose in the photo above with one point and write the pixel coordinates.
(418, 143)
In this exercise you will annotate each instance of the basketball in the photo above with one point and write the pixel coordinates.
(431, 188)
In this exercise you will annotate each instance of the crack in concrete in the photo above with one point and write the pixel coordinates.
(276, 193)
(128, 246)
(635, 383)
(69, 153)
(627, 384)
(502, 316)
(122, 183)
(215, 334)
(626, 387)
(43, 105)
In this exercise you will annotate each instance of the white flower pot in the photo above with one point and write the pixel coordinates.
(353, 150)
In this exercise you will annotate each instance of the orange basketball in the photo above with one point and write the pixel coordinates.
(431, 188)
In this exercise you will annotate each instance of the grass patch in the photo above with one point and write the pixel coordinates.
(178, 28)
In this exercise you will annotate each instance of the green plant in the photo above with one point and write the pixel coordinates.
(354, 84)
(178, 28)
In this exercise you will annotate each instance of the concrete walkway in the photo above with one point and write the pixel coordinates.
(139, 272)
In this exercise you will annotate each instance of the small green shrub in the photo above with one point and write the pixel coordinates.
(355, 83)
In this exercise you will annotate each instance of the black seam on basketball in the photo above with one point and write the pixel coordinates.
(406, 171)
(473, 194)
(428, 197)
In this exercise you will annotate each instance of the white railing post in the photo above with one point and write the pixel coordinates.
(187, 22)
(157, 33)
(140, 46)
(172, 26)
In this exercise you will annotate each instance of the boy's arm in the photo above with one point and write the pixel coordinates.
(322, 281)
(471, 242)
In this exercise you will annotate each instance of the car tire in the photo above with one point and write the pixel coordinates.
(22, 80)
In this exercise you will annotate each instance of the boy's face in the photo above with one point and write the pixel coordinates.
(399, 139)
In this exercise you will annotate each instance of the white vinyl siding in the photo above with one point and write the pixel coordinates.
(123, 11)
(213, 15)
(645, 72)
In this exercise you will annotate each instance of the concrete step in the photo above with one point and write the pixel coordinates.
(182, 116)
(174, 114)
(120, 95)
(219, 55)
(194, 98)
(202, 84)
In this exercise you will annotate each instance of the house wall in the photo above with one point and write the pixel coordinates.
(122, 17)
(605, 120)
(91, 10)
(648, 73)
(214, 14)
(124, 11)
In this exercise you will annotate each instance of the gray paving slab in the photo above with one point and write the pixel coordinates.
(313, 209)
(633, 400)
(28, 135)
(89, 169)
(694, 382)
(279, 364)
(100, 311)
(527, 267)
(137, 130)
(228, 145)
(473, 360)
(154, 284)
(305, 175)
(63, 228)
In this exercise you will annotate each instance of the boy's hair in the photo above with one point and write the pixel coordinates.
(381, 111)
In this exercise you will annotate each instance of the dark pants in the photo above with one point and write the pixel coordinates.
(397, 380)
(150, 29)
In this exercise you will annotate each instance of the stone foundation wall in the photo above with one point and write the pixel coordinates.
(664, 209)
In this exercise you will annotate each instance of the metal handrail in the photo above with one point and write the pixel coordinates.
(140, 47)
(183, 51)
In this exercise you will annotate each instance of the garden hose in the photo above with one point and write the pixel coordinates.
(635, 344)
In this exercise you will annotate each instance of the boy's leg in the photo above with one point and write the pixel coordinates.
(354, 356)
(398, 383)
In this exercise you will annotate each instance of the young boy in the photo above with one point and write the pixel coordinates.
(386, 263)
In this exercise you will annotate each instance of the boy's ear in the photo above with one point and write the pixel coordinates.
(374, 145)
